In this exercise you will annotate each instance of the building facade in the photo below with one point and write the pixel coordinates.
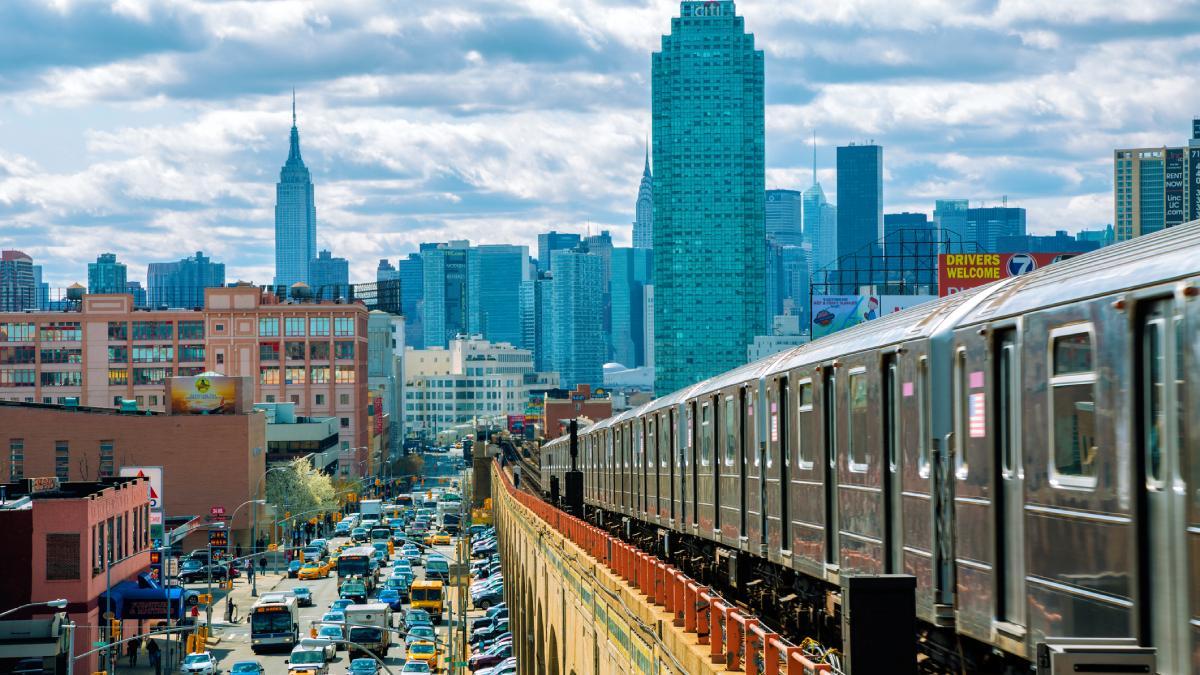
(106, 275)
(181, 284)
(784, 217)
(579, 342)
(295, 216)
(551, 241)
(106, 351)
(445, 309)
(860, 200)
(18, 287)
(329, 276)
(1156, 188)
(631, 271)
(820, 227)
(643, 210)
(412, 296)
(709, 194)
(987, 225)
(537, 319)
(495, 274)
(385, 370)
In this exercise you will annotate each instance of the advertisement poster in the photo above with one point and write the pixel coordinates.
(832, 313)
(203, 395)
(516, 424)
(960, 271)
(155, 476)
(1194, 183)
(1174, 187)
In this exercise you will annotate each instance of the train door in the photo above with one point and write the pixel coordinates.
(652, 493)
(893, 539)
(665, 482)
(729, 488)
(829, 403)
(1009, 510)
(684, 441)
(672, 455)
(775, 474)
(1161, 441)
(754, 518)
(746, 431)
(703, 479)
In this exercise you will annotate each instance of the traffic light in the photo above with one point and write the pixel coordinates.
(114, 629)
(204, 598)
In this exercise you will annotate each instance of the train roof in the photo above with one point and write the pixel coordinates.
(1163, 256)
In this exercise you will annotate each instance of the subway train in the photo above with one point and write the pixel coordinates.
(1028, 450)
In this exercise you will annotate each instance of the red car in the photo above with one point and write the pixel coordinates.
(491, 657)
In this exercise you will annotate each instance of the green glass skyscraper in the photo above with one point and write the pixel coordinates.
(709, 195)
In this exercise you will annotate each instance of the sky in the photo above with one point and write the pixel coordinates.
(157, 129)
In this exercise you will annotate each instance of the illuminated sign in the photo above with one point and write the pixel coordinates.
(203, 395)
(270, 608)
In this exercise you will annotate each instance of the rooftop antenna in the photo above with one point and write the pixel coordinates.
(814, 156)
(293, 106)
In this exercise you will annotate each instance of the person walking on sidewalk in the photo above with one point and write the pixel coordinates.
(154, 656)
(131, 651)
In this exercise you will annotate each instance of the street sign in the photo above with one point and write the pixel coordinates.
(217, 510)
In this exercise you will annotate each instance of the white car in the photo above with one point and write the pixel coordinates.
(415, 666)
(203, 663)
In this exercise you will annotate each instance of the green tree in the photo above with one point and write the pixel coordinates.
(300, 489)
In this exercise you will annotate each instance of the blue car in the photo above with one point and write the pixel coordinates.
(294, 569)
(392, 598)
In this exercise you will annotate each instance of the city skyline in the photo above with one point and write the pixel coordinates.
(164, 143)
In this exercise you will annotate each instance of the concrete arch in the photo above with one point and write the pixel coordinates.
(553, 653)
(540, 642)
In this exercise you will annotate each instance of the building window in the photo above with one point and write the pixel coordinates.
(293, 326)
(318, 327)
(21, 377)
(16, 332)
(106, 459)
(268, 375)
(345, 422)
(150, 375)
(295, 398)
(153, 330)
(343, 399)
(62, 460)
(320, 375)
(343, 349)
(62, 356)
(319, 399)
(62, 378)
(191, 330)
(18, 355)
(294, 376)
(345, 375)
(97, 534)
(16, 458)
(118, 355)
(61, 331)
(295, 351)
(318, 351)
(343, 326)
(153, 399)
(270, 398)
(268, 327)
(268, 352)
(1072, 406)
(219, 327)
(153, 354)
(191, 353)
(188, 371)
(62, 556)
(220, 358)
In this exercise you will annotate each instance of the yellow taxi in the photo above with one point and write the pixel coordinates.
(437, 539)
(314, 570)
(425, 651)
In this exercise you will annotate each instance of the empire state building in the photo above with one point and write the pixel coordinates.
(295, 216)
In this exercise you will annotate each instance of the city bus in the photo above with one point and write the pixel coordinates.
(355, 561)
(274, 622)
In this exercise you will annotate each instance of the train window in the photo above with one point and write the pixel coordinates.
(1154, 390)
(664, 443)
(859, 419)
(651, 444)
(923, 418)
(730, 431)
(963, 407)
(893, 414)
(1073, 406)
(706, 435)
(804, 430)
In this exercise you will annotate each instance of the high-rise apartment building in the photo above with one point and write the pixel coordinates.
(950, 219)
(631, 271)
(709, 194)
(579, 347)
(445, 277)
(181, 284)
(412, 296)
(295, 216)
(329, 277)
(495, 274)
(860, 200)
(820, 227)
(1156, 188)
(537, 313)
(551, 241)
(106, 275)
(988, 224)
(784, 216)
(138, 292)
(643, 212)
(18, 288)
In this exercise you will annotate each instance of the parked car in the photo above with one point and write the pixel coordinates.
(491, 657)
(294, 568)
(218, 572)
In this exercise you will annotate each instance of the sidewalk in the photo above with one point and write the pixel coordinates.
(241, 599)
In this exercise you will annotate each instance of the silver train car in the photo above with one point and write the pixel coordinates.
(1028, 450)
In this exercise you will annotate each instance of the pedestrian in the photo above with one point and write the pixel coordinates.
(262, 564)
(131, 650)
(238, 554)
(155, 658)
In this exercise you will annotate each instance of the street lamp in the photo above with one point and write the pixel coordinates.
(254, 517)
(253, 531)
(60, 603)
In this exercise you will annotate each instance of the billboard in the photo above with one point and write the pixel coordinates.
(960, 271)
(1194, 183)
(516, 424)
(207, 394)
(832, 313)
(1175, 184)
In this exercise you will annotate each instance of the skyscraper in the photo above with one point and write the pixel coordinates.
(495, 273)
(445, 310)
(820, 227)
(860, 200)
(295, 216)
(1156, 188)
(18, 289)
(950, 220)
(181, 284)
(643, 212)
(709, 194)
(988, 225)
(329, 277)
(138, 292)
(106, 275)
(537, 325)
(385, 271)
(578, 335)
(784, 217)
(412, 296)
(631, 271)
(551, 241)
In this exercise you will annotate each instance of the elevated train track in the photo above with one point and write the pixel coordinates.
(1027, 451)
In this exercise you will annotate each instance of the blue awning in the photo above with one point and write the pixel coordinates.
(145, 599)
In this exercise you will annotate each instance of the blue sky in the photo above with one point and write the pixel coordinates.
(156, 129)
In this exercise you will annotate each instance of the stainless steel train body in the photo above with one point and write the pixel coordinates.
(1029, 451)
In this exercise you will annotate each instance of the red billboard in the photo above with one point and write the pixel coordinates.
(960, 271)
(516, 424)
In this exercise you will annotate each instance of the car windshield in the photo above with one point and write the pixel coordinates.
(365, 634)
(330, 631)
(415, 667)
(196, 658)
(300, 590)
(244, 667)
(422, 648)
(422, 631)
(316, 656)
(270, 622)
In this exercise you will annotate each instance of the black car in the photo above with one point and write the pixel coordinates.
(219, 573)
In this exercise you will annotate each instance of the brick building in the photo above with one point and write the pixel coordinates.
(206, 460)
(578, 403)
(57, 537)
(104, 349)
